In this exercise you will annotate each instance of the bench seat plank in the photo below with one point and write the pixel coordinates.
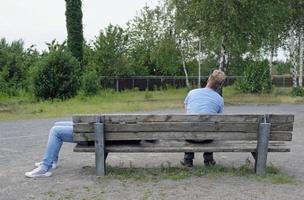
(170, 127)
(181, 146)
(114, 136)
(129, 118)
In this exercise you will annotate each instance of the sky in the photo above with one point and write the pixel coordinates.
(40, 21)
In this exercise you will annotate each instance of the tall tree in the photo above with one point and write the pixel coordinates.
(144, 32)
(109, 51)
(296, 32)
(228, 28)
(73, 15)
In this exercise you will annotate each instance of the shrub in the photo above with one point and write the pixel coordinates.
(256, 78)
(56, 75)
(297, 91)
(90, 82)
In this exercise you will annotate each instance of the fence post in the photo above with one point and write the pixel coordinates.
(117, 85)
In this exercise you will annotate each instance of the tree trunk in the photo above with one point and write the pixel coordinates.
(301, 45)
(293, 69)
(223, 58)
(185, 71)
(271, 61)
(199, 64)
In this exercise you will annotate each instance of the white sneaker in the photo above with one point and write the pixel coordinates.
(38, 172)
(54, 165)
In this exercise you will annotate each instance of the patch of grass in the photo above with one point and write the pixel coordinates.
(109, 101)
(278, 95)
(273, 175)
(147, 194)
(50, 193)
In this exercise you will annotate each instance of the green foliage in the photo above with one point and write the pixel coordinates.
(297, 91)
(74, 28)
(240, 26)
(109, 53)
(90, 83)
(282, 68)
(166, 56)
(56, 74)
(148, 95)
(256, 78)
(144, 33)
(15, 63)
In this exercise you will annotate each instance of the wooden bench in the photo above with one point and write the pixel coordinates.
(254, 133)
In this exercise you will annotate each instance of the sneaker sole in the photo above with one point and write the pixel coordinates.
(47, 174)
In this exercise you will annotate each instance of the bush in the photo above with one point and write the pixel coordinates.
(297, 91)
(90, 83)
(256, 78)
(56, 75)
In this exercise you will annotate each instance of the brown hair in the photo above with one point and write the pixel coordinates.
(216, 79)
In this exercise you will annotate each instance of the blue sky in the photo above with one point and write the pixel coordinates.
(40, 21)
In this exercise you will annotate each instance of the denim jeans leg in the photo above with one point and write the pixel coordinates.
(58, 134)
(64, 123)
(61, 123)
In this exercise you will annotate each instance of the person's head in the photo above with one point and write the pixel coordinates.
(216, 79)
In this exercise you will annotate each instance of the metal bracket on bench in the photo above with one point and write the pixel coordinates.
(262, 146)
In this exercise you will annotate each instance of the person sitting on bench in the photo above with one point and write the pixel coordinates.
(205, 101)
(59, 133)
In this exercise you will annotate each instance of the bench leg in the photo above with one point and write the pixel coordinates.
(262, 149)
(100, 150)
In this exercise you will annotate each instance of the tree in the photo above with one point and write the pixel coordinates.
(166, 56)
(144, 33)
(56, 74)
(296, 34)
(109, 51)
(73, 15)
(229, 28)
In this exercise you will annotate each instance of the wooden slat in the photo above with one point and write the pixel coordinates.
(178, 126)
(218, 146)
(117, 118)
(282, 127)
(132, 118)
(169, 126)
(94, 118)
(279, 118)
(118, 136)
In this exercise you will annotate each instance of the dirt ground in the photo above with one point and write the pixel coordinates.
(22, 143)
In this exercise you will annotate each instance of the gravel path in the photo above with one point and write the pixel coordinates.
(22, 143)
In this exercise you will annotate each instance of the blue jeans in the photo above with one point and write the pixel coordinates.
(59, 133)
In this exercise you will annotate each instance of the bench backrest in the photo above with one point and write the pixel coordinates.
(233, 132)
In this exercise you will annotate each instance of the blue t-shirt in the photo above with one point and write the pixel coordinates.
(204, 101)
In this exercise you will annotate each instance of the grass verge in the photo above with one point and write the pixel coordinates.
(109, 101)
(273, 175)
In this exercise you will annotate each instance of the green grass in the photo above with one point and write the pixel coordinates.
(277, 96)
(108, 101)
(273, 175)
